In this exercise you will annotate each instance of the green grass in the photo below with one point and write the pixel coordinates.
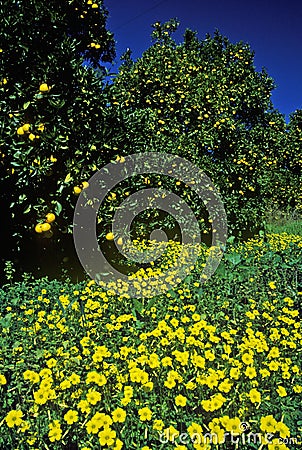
(285, 226)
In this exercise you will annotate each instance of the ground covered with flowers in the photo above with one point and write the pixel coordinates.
(202, 366)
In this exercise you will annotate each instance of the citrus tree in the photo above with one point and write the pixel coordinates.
(53, 111)
(283, 142)
(293, 161)
(205, 100)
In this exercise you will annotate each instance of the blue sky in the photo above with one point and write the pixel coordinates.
(272, 28)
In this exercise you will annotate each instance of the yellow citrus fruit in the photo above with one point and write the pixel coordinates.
(109, 236)
(120, 241)
(50, 217)
(32, 137)
(38, 228)
(26, 127)
(94, 6)
(45, 226)
(44, 87)
(20, 131)
(85, 184)
(77, 190)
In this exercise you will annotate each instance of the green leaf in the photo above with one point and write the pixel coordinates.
(68, 178)
(58, 208)
(27, 209)
(233, 258)
(22, 198)
(151, 303)
(138, 305)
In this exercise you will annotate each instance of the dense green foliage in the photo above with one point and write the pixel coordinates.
(61, 122)
(78, 363)
(53, 108)
(205, 101)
